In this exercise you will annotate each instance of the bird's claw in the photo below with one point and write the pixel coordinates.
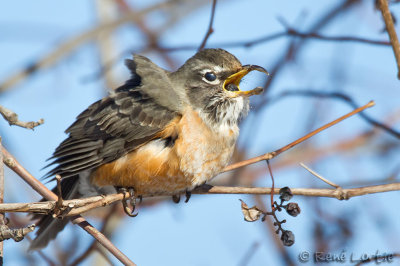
(177, 198)
(188, 195)
(130, 211)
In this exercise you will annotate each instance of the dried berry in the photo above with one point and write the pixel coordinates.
(293, 209)
(287, 238)
(285, 194)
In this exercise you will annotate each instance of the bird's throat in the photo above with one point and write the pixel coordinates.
(224, 113)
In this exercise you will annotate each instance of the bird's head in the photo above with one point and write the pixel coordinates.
(211, 79)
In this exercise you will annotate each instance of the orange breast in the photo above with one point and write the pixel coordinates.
(197, 155)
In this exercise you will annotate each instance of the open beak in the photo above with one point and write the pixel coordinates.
(231, 84)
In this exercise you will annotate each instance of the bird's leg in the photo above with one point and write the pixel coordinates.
(188, 195)
(176, 198)
(132, 201)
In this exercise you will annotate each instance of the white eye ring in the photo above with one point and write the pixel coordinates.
(209, 76)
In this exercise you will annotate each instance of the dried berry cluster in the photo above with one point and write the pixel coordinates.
(292, 208)
(253, 214)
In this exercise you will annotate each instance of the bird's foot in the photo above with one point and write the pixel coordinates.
(132, 201)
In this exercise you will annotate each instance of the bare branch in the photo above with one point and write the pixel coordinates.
(210, 29)
(309, 192)
(82, 205)
(270, 155)
(387, 17)
(12, 119)
(16, 234)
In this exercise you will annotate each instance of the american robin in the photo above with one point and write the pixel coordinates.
(160, 132)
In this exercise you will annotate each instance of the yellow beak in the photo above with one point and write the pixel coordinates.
(231, 84)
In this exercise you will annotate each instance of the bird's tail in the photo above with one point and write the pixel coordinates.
(49, 227)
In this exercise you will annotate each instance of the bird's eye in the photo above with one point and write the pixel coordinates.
(210, 76)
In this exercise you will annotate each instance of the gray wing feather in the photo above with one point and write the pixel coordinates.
(119, 123)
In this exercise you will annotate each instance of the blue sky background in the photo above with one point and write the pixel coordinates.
(210, 230)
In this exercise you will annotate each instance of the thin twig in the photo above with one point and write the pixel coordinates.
(270, 155)
(272, 37)
(319, 176)
(12, 118)
(275, 36)
(210, 29)
(291, 31)
(59, 210)
(273, 184)
(13, 164)
(313, 35)
(387, 17)
(59, 191)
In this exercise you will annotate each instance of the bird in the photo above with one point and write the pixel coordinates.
(160, 132)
